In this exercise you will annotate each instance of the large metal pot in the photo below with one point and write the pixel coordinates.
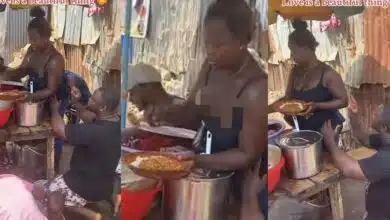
(29, 114)
(303, 153)
(197, 197)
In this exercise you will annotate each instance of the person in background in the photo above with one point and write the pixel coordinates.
(20, 200)
(146, 92)
(88, 111)
(374, 169)
(314, 82)
(45, 67)
(96, 151)
(78, 87)
(229, 97)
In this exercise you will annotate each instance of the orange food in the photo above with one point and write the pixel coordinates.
(290, 106)
(11, 95)
(156, 163)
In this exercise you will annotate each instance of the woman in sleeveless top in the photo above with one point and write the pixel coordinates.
(45, 67)
(230, 97)
(314, 82)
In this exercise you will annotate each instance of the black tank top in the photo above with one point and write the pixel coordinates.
(227, 138)
(317, 94)
(40, 81)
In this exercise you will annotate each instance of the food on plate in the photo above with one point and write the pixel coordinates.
(156, 163)
(11, 95)
(290, 106)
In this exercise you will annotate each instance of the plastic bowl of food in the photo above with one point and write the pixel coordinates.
(275, 165)
(158, 165)
(275, 128)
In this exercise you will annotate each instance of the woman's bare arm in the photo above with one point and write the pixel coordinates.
(335, 84)
(55, 71)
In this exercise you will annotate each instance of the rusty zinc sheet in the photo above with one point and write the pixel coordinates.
(351, 51)
(377, 50)
(15, 32)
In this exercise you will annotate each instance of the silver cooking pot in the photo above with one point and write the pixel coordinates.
(197, 197)
(303, 153)
(29, 114)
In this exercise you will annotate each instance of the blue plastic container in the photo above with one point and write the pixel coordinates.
(278, 128)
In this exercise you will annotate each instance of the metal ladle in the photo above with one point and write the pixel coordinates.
(295, 119)
(209, 137)
(31, 88)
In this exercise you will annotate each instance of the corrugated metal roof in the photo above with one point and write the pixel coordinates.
(16, 32)
(74, 16)
(377, 50)
(351, 51)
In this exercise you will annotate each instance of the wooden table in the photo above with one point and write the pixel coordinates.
(329, 179)
(14, 133)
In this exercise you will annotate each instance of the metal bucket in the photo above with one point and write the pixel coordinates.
(197, 197)
(303, 153)
(29, 114)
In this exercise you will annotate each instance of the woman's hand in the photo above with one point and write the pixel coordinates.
(25, 98)
(311, 107)
(180, 152)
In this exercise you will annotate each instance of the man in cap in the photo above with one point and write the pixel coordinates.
(146, 91)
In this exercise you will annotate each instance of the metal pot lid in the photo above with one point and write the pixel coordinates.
(209, 175)
(299, 139)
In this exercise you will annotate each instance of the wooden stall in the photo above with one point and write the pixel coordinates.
(328, 180)
(14, 133)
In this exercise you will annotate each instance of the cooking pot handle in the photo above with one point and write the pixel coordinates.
(32, 150)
